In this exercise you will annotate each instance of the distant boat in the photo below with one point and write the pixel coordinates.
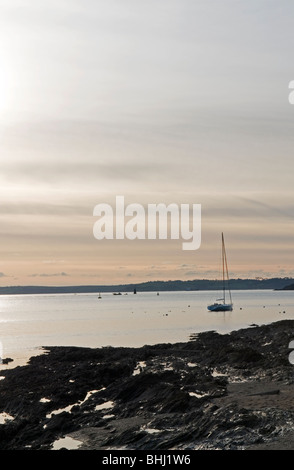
(221, 305)
(116, 293)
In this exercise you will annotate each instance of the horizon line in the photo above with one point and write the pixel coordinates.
(134, 284)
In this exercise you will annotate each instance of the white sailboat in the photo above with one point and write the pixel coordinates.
(221, 305)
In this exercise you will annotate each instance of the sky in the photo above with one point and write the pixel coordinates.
(166, 101)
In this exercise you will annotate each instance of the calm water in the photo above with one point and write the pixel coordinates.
(30, 321)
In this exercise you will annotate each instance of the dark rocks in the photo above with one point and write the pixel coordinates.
(213, 392)
(6, 360)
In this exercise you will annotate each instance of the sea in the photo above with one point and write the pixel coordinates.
(30, 323)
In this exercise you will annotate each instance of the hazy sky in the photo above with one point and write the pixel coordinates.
(182, 101)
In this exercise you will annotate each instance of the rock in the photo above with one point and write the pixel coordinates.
(7, 360)
(177, 400)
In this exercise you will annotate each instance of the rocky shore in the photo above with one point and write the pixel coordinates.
(233, 391)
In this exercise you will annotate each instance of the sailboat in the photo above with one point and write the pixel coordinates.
(221, 305)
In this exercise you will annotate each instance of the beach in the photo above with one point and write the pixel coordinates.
(230, 391)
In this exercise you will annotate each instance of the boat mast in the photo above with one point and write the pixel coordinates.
(225, 265)
(223, 262)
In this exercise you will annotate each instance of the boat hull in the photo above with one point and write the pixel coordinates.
(220, 308)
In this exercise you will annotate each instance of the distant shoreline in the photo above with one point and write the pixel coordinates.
(155, 286)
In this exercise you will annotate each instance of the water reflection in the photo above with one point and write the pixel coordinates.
(31, 321)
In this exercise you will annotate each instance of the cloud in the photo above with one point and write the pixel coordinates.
(50, 274)
(43, 208)
(191, 273)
